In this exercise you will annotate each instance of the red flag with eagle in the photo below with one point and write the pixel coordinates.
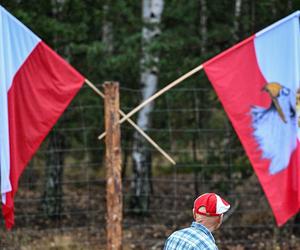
(36, 86)
(257, 82)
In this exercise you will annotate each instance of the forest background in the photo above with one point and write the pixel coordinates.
(144, 45)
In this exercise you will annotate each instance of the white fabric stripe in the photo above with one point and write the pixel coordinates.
(277, 53)
(3, 198)
(4, 141)
(16, 44)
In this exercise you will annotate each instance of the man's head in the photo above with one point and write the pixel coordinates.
(209, 209)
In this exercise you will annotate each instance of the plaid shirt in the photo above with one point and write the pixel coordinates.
(195, 237)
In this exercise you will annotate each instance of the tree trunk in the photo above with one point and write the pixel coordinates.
(107, 35)
(53, 192)
(290, 5)
(203, 34)
(141, 156)
(203, 25)
(253, 16)
(237, 14)
(273, 8)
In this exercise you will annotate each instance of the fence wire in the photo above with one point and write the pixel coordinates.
(60, 203)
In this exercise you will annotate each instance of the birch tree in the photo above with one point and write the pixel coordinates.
(141, 156)
(53, 190)
(237, 15)
(107, 34)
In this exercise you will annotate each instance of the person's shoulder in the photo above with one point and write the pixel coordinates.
(185, 238)
(185, 232)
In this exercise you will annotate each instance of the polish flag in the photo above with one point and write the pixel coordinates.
(257, 81)
(36, 86)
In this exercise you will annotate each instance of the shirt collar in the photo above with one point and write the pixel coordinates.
(202, 228)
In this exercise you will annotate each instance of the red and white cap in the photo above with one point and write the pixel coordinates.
(213, 204)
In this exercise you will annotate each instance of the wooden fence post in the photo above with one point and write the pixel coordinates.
(114, 199)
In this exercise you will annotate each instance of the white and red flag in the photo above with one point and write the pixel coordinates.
(258, 83)
(36, 86)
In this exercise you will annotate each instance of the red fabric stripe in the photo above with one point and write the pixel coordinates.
(41, 91)
(238, 81)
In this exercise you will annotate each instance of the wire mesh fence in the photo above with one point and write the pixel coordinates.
(60, 203)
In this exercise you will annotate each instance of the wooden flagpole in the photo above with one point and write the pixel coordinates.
(155, 145)
(151, 98)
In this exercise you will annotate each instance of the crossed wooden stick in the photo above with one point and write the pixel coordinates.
(144, 103)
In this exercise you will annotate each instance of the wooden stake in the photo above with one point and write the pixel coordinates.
(114, 199)
(155, 145)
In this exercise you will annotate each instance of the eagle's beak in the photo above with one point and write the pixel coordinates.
(279, 110)
(273, 89)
